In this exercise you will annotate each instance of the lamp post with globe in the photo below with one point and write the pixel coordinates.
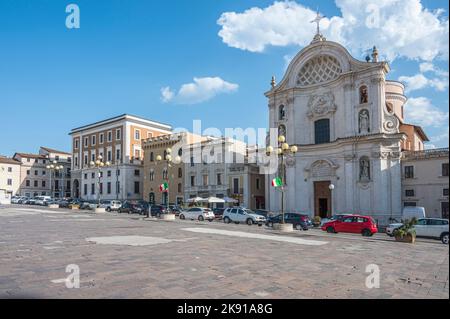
(282, 151)
(332, 187)
(53, 167)
(165, 187)
(98, 164)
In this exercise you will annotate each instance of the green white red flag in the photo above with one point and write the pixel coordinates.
(164, 187)
(277, 182)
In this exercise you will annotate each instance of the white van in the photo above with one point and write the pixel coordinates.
(413, 211)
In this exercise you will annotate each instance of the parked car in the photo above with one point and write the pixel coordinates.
(436, 228)
(132, 208)
(157, 210)
(63, 203)
(89, 205)
(18, 199)
(300, 221)
(198, 213)
(411, 212)
(242, 215)
(175, 209)
(30, 201)
(262, 212)
(218, 213)
(43, 200)
(357, 224)
(111, 205)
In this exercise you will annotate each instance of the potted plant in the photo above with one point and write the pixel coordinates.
(316, 221)
(407, 232)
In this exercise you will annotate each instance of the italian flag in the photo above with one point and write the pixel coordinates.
(277, 182)
(164, 187)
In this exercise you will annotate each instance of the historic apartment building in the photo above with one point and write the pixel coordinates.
(9, 176)
(34, 176)
(219, 167)
(118, 142)
(59, 179)
(159, 168)
(348, 123)
(425, 181)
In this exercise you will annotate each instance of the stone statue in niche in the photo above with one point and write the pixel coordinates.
(364, 121)
(282, 130)
(364, 169)
(282, 113)
(363, 95)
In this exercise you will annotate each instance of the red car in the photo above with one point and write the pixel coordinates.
(356, 224)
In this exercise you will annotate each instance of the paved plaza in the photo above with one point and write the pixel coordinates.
(126, 256)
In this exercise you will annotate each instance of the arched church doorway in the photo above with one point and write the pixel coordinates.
(322, 199)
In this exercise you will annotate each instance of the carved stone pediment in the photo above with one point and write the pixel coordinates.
(321, 104)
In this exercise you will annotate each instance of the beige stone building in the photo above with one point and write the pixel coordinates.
(158, 172)
(219, 167)
(58, 179)
(34, 178)
(116, 140)
(425, 181)
(9, 175)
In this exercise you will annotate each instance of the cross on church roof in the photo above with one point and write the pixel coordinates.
(317, 20)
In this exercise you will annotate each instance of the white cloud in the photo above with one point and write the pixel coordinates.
(429, 67)
(420, 81)
(399, 28)
(421, 111)
(166, 94)
(201, 90)
(441, 138)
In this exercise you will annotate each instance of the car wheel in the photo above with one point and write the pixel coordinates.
(201, 218)
(270, 224)
(210, 220)
(227, 220)
(182, 216)
(444, 238)
(330, 230)
(108, 210)
(298, 227)
(249, 221)
(366, 233)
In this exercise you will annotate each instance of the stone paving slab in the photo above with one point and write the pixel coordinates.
(36, 247)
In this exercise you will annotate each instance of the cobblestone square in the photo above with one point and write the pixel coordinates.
(126, 256)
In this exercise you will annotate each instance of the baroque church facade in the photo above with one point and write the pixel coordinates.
(346, 120)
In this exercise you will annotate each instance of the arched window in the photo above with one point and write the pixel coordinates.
(152, 157)
(363, 95)
(180, 172)
(165, 174)
(179, 188)
(364, 169)
(322, 131)
(281, 113)
(165, 155)
(364, 122)
(180, 152)
(152, 175)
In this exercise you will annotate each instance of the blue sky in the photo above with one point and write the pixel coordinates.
(53, 79)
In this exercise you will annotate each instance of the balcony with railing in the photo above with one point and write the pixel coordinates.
(431, 153)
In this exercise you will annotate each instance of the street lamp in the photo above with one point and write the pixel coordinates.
(332, 187)
(53, 167)
(282, 151)
(169, 160)
(98, 164)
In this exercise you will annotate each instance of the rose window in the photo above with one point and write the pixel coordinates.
(320, 69)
